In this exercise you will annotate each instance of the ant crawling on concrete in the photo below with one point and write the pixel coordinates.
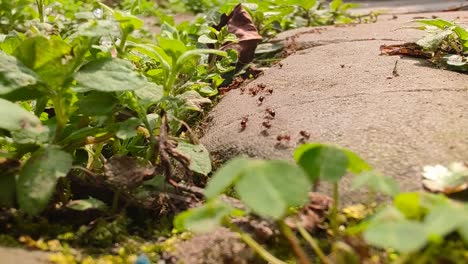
(266, 126)
(243, 123)
(305, 136)
(283, 140)
(271, 113)
(260, 100)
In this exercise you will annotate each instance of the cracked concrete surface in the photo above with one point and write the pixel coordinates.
(343, 92)
(407, 6)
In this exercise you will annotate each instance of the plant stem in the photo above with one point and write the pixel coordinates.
(115, 201)
(294, 242)
(60, 115)
(171, 80)
(261, 251)
(40, 10)
(334, 211)
(313, 244)
(122, 43)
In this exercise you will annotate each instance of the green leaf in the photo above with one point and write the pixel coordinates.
(226, 176)
(128, 22)
(128, 128)
(376, 182)
(149, 95)
(108, 75)
(410, 205)
(90, 203)
(387, 214)
(463, 229)
(445, 219)
(198, 52)
(96, 103)
(198, 155)
(356, 164)
(51, 59)
(403, 236)
(322, 162)
(335, 5)
(15, 75)
(204, 39)
(97, 28)
(270, 188)
(433, 41)
(174, 48)
(38, 178)
(203, 219)
(18, 120)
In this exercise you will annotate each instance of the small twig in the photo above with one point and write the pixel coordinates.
(395, 69)
(193, 138)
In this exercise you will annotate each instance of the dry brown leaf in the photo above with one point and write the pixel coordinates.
(313, 215)
(240, 23)
(127, 172)
(406, 49)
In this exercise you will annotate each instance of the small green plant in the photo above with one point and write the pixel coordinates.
(271, 189)
(91, 91)
(446, 42)
(416, 226)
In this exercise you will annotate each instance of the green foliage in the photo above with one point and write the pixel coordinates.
(108, 75)
(447, 41)
(95, 83)
(328, 163)
(38, 178)
(90, 203)
(419, 219)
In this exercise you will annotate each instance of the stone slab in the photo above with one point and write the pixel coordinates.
(342, 92)
(407, 6)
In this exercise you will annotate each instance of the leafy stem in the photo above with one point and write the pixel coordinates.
(334, 210)
(261, 251)
(294, 242)
(61, 116)
(313, 244)
(40, 10)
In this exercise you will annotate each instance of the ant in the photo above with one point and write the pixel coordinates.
(304, 134)
(283, 138)
(243, 123)
(261, 99)
(261, 86)
(267, 124)
(270, 90)
(271, 113)
(283, 141)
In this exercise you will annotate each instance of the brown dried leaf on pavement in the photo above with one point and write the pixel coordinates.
(406, 49)
(240, 23)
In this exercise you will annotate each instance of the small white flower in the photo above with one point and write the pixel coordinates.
(98, 13)
(447, 180)
(436, 173)
(458, 167)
